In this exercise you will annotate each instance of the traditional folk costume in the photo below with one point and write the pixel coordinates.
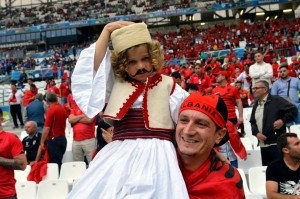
(141, 161)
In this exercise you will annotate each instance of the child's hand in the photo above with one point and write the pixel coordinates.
(107, 135)
(117, 25)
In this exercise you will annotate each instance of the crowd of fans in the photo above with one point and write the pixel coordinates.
(186, 45)
(80, 10)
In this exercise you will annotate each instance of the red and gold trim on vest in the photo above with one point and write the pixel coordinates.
(132, 126)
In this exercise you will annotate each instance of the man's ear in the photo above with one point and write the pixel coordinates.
(285, 150)
(219, 135)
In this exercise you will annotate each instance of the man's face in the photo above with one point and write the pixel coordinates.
(29, 81)
(139, 66)
(259, 90)
(220, 78)
(196, 134)
(283, 72)
(13, 87)
(258, 57)
(178, 81)
(238, 86)
(198, 70)
(294, 147)
(30, 128)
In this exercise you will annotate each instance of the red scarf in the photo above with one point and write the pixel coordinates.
(14, 99)
(213, 180)
(39, 169)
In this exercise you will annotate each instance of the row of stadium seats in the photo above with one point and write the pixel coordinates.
(71, 172)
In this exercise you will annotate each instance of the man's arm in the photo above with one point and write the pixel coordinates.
(272, 192)
(87, 120)
(240, 109)
(269, 72)
(18, 162)
(75, 118)
(45, 134)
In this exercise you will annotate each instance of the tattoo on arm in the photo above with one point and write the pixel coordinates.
(10, 163)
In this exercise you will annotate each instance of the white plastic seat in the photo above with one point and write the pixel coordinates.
(72, 171)
(52, 172)
(295, 129)
(23, 135)
(26, 190)
(53, 189)
(247, 143)
(21, 176)
(257, 180)
(253, 160)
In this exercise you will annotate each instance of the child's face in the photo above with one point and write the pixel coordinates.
(139, 65)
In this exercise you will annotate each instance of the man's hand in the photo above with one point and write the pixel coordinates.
(261, 137)
(278, 124)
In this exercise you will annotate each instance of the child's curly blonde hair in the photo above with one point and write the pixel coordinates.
(120, 60)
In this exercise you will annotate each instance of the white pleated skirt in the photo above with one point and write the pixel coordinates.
(133, 169)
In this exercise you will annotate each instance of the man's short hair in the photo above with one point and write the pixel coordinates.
(51, 97)
(39, 96)
(33, 86)
(33, 122)
(282, 141)
(193, 87)
(176, 75)
(1, 112)
(264, 83)
(284, 65)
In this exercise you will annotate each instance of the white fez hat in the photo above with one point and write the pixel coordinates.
(129, 36)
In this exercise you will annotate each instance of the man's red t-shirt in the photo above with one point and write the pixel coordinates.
(56, 118)
(64, 89)
(202, 84)
(83, 131)
(10, 146)
(71, 101)
(229, 94)
(53, 89)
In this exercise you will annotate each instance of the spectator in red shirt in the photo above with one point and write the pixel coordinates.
(64, 90)
(12, 157)
(84, 143)
(186, 72)
(53, 134)
(230, 95)
(55, 70)
(166, 70)
(200, 79)
(244, 94)
(53, 88)
(275, 67)
(29, 95)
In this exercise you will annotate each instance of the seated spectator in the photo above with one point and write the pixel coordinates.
(31, 142)
(283, 175)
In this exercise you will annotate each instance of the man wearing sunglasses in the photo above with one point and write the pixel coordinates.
(268, 120)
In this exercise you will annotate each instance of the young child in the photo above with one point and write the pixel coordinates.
(143, 107)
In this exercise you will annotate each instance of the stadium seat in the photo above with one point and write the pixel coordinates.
(53, 189)
(72, 171)
(26, 190)
(247, 143)
(295, 129)
(52, 172)
(253, 160)
(23, 135)
(21, 176)
(257, 180)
